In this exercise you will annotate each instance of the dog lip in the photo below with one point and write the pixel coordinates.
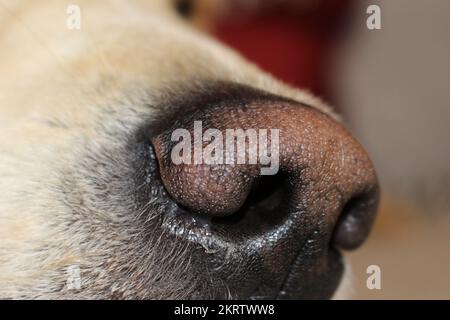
(214, 241)
(291, 287)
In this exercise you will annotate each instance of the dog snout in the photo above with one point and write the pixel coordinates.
(323, 189)
(316, 157)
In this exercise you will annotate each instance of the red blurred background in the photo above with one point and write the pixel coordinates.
(293, 40)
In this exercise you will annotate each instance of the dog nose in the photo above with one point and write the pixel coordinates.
(319, 169)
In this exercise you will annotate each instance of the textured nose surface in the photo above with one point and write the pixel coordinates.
(325, 168)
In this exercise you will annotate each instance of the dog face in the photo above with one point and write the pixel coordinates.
(88, 184)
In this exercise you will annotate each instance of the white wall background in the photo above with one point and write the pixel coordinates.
(395, 84)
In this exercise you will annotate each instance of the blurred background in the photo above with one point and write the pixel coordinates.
(392, 88)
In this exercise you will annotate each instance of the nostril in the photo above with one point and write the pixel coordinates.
(266, 191)
(265, 209)
(265, 198)
(355, 221)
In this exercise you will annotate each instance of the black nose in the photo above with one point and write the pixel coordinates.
(323, 194)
